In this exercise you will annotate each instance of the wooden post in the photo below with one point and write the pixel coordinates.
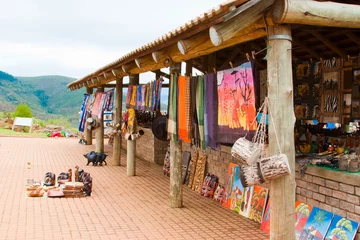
(176, 195)
(88, 133)
(99, 132)
(189, 66)
(282, 190)
(211, 64)
(131, 144)
(118, 118)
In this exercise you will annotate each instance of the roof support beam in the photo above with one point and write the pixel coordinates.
(329, 14)
(329, 44)
(353, 37)
(306, 48)
(248, 13)
(162, 74)
(143, 61)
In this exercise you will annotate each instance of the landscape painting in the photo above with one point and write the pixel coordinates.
(302, 213)
(230, 180)
(317, 225)
(245, 202)
(265, 223)
(258, 203)
(342, 229)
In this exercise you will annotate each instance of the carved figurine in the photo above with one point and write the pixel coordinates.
(76, 173)
(70, 175)
(101, 158)
(91, 157)
(49, 179)
(87, 180)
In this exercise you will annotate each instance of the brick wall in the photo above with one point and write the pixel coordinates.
(337, 192)
(149, 148)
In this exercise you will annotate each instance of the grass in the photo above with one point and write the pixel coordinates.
(7, 132)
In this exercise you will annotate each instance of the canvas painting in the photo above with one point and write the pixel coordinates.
(302, 213)
(301, 111)
(347, 103)
(228, 195)
(265, 223)
(331, 104)
(331, 81)
(332, 64)
(245, 202)
(302, 91)
(317, 225)
(302, 70)
(258, 203)
(356, 75)
(342, 229)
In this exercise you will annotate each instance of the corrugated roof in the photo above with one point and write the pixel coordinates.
(191, 27)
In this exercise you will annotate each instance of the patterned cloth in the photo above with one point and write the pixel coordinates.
(128, 95)
(188, 116)
(108, 104)
(158, 93)
(133, 97)
(183, 110)
(83, 111)
(96, 105)
(211, 111)
(147, 96)
(236, 106)
(195, 134)
(199, 173)
(139, 100)
(172, 116)
(200, 109)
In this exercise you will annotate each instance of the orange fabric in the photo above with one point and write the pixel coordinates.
(182, 123)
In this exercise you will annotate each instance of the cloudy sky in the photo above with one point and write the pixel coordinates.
(75, 37)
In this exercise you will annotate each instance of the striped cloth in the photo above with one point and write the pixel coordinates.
(200, 109)
(172, 116)
(195, 134)
(188, 116)
(182, 110)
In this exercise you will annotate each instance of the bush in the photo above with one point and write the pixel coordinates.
(64, 122)
(22, 110)
(42, 123)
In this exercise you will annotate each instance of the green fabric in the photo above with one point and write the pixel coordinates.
(200, 109)
(172, 119)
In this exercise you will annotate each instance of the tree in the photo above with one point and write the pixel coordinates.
(342, 227)
(22, 110)
(320, 217)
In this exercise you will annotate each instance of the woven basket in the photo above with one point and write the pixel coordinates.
(246, 152)
(251, 175)
(274, 166)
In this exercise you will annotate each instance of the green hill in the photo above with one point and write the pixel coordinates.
(47, 96)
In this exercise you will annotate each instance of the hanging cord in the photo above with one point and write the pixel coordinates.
(258, 112)
(272, 121)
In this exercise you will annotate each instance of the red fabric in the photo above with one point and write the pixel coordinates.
(183, 132)
(55, 134)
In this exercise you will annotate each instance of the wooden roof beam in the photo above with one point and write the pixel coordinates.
(329, 44)
(247, 14)
(162, 74)
(329, 14)
(353, 37)
(307, 49)
(144, 61)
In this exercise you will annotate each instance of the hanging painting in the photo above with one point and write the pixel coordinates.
(342, 229)
(301, 111)
(331, 81)
(302, 213)
(332, 64)
(317, 225)
(236, 103)
(302, 91)
(356, 76)
(265, 222)
(347, 103)
(258, 203)
(302, 70)
(331, 103)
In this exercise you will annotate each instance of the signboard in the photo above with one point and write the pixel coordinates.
(25, 122)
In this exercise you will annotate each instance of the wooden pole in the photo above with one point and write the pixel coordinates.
(189, 66)
(282, 190)
(99, 132)
(88, 133)
(118, 118)
(211, 64)
(176, 195)
(131, 144)
(327, 14)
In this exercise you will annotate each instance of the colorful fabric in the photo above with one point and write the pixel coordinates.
(83, 112)
(182, 109)
(128, 95)
(147, 93)
(211, 111)
(200, 109)
(195, 134)
(109, 100)
(132, 123)
(101, 108)
(188, 116)
(153, 98)
(158, 94)
(150, 96)
(132, 103)
(96, 105)
(139, 100)
(172, 117)
(143, 95)
(236, 106)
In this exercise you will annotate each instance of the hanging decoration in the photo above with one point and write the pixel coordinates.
(83, 112)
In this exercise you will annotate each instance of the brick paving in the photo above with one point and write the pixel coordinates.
(121, 207)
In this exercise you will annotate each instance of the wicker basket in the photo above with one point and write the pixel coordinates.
(251, 175)
(246, 152)
(274, 166)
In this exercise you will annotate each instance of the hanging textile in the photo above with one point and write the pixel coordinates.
(200, 109)
(150, 95)
(147, 96)
(195, 134)
(153, 98)
(183, 108)
(236, 106)
(133, 97)
(143, 95)
(211, 111)
(128, 95)
(188, 106)
(83, 112)
(96, 105)
(172, 118)
(158, 94)
(139, 100)
(109, 100)
(101, 108)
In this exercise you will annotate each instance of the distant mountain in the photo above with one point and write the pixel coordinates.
(47, 96)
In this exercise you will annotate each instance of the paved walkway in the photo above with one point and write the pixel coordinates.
(121, 207)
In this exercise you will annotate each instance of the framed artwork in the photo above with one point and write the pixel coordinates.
(356, 92)
(347, 80)
(355, 108)
(302, 91)
(301, 110)
(331, 104)
(331, 81)
(317, 224)
(356, 76)
(342, 228)
(347, 103)
(331, 64)
(302, 70)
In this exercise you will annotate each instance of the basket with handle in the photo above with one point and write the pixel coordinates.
(276, 165)
(248, 152)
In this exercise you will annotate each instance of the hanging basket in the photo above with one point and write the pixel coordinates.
(274, 166)
(246, 152)
(251, 175)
